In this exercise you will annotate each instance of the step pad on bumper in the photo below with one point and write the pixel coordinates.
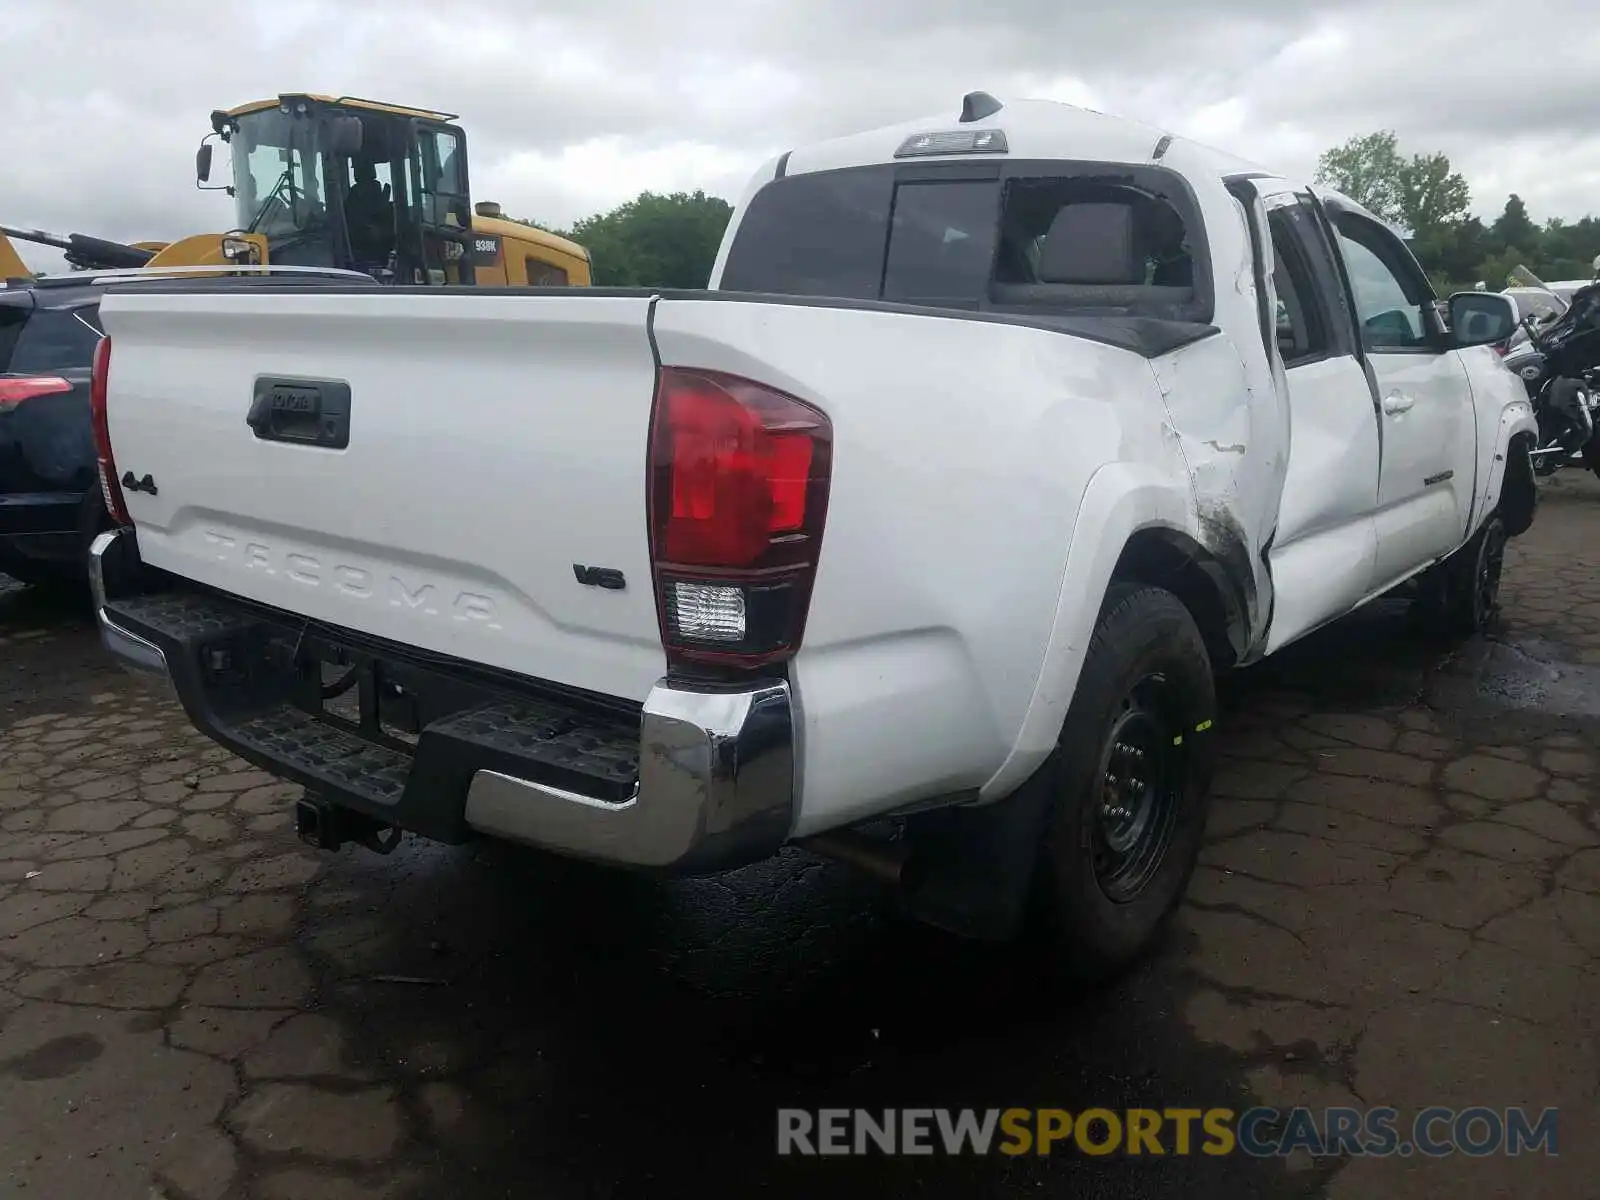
(553, 737)
(253, 681)
(292, 735)
(180, 616)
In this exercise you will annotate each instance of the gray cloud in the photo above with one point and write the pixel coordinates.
(573, 105)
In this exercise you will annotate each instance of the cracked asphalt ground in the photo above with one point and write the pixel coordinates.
(1399, 904)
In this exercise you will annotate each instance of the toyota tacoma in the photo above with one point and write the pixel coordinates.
(918, 538)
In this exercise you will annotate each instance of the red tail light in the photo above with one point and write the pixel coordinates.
(109, 487)
(738, 491)
(14, 391)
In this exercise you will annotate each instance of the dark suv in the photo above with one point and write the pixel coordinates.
(50, 502)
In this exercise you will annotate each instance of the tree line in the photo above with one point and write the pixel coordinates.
(671, 241)
(665, 241)
(1423, 195)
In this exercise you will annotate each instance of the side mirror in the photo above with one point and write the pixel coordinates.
(202, 162)
(344, 136)
(1482, 318)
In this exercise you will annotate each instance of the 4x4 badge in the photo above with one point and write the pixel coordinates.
(606, 577)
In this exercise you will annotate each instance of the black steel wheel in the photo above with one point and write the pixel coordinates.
(1141, 789)
(1128, 786)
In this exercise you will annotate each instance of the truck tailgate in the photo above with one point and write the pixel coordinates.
(492, 444)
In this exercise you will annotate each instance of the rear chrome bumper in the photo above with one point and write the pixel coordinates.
(106, 556)
(715, 781)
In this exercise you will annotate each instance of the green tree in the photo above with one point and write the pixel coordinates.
(1513, 227)
(1368, 170)
(1495, 270)
(1432, 197)
(1568, 250)
(1420, 193)
(1455, 252)
(667, 241)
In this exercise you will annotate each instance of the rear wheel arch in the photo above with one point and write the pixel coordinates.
(1174, 561)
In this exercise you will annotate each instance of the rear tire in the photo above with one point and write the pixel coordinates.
(1129, 786)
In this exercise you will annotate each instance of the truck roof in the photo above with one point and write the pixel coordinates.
(1034, 129)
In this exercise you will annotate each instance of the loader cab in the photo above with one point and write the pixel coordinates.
(353, 184)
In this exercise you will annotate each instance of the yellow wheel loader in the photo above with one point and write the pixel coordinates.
(350, 183)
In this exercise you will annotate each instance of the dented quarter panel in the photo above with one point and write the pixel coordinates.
(1233, 448)
(1217, 478)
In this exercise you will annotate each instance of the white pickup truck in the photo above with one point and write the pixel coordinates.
(917, 539)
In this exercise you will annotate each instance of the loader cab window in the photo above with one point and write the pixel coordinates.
(279, 188)
(441, 183)
(369, 211)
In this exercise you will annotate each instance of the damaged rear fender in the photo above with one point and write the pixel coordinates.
(1140, 521)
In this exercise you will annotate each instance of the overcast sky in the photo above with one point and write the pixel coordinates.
(571, 106)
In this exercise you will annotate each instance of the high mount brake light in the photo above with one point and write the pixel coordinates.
(738, 491)
(104, 461)
(955, 141)
(14, 391)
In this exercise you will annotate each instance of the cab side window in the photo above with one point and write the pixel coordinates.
(1302, 325)
(1392, 302)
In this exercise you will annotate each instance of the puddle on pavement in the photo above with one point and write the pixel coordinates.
(1528, 676)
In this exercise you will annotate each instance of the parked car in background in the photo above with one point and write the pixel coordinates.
(50, 501)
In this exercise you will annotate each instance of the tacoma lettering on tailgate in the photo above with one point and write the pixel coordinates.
(413, 594)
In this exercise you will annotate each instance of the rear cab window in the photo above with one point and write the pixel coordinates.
(1045, 238)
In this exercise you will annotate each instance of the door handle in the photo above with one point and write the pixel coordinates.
(1397, 402)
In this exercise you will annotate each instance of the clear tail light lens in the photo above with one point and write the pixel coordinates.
(738, 490)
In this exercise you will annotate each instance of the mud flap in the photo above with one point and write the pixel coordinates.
(971, 869)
